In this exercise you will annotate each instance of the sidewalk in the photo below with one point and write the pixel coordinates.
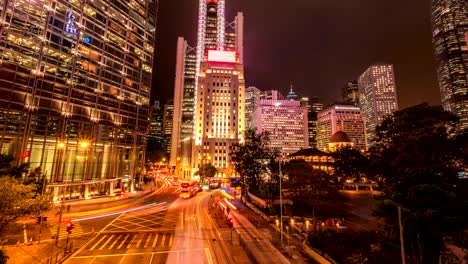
(34, 252)
(74, 208)
(268, 231)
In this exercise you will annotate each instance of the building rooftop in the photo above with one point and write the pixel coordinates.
(339, 136)
(309, 152)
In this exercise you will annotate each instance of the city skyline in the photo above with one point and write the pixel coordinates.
(400, 34)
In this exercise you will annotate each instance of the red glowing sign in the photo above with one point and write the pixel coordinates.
(222, 56)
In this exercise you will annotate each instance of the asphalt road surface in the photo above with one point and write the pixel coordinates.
(165, 229)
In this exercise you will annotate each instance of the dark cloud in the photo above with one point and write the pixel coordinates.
(319, 45)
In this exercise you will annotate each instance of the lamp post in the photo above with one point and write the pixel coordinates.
(281, 202)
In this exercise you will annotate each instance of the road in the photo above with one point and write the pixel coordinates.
(167, 230)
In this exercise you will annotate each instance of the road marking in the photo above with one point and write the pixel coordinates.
(99, 241)
(121, 244)
(108, 240)
(139, 242)
(208, 255)
(93, 260)
(116, 239)
(151, 259)
(155, 239)
(138, 253)
(131, 241)
(147, 241)
(163, 239)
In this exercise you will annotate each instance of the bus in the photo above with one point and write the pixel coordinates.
(188, 189)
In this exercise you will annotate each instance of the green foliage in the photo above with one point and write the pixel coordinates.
(8, 169)
(206, 170)
(18, 199)
(349, 163)
(3, 257)
(252, 158)
(414, 156)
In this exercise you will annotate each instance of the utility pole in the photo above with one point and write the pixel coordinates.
(402, 242)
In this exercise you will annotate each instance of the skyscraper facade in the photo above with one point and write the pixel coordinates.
(345, 118)
(377, 96)
(214, 34)
(350, 93)
(220, 117)
(168, 121)
(286, 123)
(450, 41)
(252, 100)
(75, 80)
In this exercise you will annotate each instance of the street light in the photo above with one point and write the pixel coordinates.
(281, 201)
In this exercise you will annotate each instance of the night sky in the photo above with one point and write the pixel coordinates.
(319, 45)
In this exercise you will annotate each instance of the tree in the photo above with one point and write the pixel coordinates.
(349, 163)
(18, 199)
(206, 170)
(312, 185)
(251, 159)
(7, 169)
(414, 155)
(3, 257)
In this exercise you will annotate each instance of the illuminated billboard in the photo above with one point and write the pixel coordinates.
(222, 56)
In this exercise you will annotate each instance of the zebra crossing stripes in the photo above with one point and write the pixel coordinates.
(125, 241)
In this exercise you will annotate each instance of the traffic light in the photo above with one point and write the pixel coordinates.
(70, 226)
(230, 222)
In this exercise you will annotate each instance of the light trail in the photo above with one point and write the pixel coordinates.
(117, 212)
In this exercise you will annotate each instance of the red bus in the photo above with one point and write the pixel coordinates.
(188, 189)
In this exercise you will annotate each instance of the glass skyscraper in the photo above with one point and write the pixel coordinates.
(450, 41)
(377, 96)
(75, 80)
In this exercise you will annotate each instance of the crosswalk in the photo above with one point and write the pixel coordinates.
(146, 212)
(116, 241)
(76, 231)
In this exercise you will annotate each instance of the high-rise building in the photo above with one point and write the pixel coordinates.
(314, 106)
(75, 80)
(214, 33)
(156, 123)
(168, 121)
(350, 93)
(184, 99)
(377, 96)
(450, 41)
(286, 123)
(252, 100)
(220, 117)
(345, 118)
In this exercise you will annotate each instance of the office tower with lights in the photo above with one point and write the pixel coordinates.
(313, 106)
(156, 123)
(220, 116)
(350, 93)
(214, 33)
(75, 80)
(377, 96)
(168, 121)
(345, 118)
(450, 42)
(252, 100)
(285, 121)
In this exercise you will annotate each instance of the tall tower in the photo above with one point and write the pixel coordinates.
(350, 93)
(214, 34)
(220, 118)
(450, 41)
(377, 96)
